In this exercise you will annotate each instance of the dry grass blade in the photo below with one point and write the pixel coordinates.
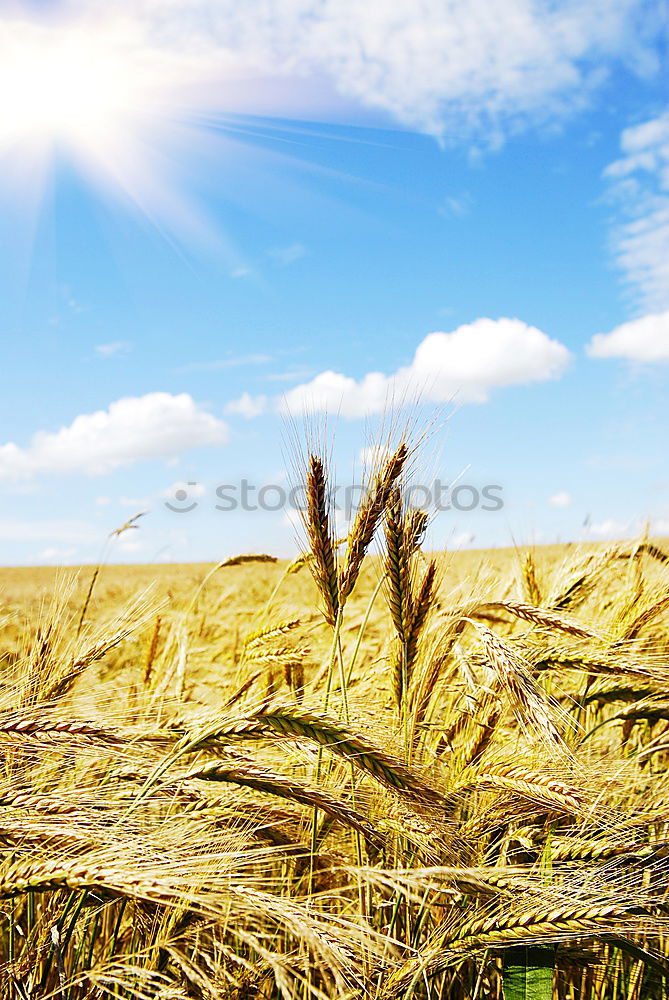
(484, 727)
(151, 651)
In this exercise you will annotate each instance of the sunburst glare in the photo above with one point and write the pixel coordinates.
(133, 119)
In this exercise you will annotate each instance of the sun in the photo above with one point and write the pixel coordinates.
(149, 124)
(96, 95)
(69, 85)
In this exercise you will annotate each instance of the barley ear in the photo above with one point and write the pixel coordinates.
(369, 517)
(323, 565)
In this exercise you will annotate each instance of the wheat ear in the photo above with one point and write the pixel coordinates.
(485, 932)
(291, 721)
(323, 565)
(250, 775)
(369, 517)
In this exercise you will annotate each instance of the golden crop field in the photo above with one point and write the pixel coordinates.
(371, 772)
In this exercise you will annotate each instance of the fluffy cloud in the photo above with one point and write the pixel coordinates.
(444, 66)
(640, 188)
(133, 429)
(247, 405)
(466, 71)
(645, 340)
(561, 499)
(610, 528)
(465, 365)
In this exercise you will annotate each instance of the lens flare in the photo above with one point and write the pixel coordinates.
(72, 85)
(98, 96)
(148, 123)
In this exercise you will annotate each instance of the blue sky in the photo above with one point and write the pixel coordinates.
(216, 217)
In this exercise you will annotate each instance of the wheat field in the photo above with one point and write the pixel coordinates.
(373, 771)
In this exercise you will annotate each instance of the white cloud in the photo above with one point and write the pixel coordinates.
(293, 519)
(117, 348)
(283, 256)
(462, 540)
(126, 544)
(456, 67)
(467, 71)
(640, 188)
(54, 553)
(134, 503)
(53, 532)
(610, 528)
(465, 365)
(645, 340)
(561, 499)
(222, 364)
(456, 206)
(190, 488)
(247, 406)
(372, 456)
(132, 429)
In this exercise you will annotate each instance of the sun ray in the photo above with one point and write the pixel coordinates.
(149, 128)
